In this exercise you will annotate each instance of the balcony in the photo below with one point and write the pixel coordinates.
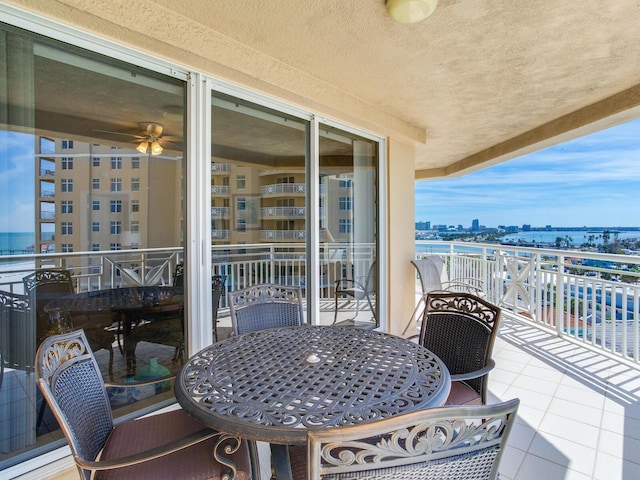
(577, 378)
(282, 235)
(282, 212)
(280, 189)
(220, 190)
(220, 168)
(220, 212)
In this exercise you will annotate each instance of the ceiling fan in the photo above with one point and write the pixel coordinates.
(150, 138)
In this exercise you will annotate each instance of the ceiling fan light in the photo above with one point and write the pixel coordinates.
(156, 148)
(142, 147)
(410, 11)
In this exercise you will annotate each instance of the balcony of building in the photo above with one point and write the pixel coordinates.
(282, 212)
(283, 189)
(219, 190)
(220, 212)
(220, 168)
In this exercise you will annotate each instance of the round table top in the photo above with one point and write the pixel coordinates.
(118, 298)
(273, 385)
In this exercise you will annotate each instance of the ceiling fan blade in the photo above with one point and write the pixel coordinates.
(171, 138)
(119, 133)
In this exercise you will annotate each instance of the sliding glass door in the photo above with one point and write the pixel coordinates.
(259, 202)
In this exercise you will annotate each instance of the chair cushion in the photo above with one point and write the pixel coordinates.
(462, 394)
(195, 462)
(298, 456)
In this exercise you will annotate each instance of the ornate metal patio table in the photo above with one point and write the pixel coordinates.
(272, 385)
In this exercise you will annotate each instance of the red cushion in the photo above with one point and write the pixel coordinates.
(462, 394)
(196, 462)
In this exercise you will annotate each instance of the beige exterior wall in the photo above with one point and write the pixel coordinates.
(401, 236)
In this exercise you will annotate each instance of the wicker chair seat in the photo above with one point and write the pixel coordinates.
(143, 434)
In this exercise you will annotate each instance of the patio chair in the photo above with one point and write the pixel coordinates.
(433, 277)
(164, 446)
(265, 306)
(357, 290)
(461, 328)
(453, 443)
(431, 273)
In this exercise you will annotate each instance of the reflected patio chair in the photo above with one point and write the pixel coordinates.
(460, 328)
(45, 285)
(453, 443)
(17, 331)
(357, 290)
(167, 328)
(163, 446)
(265, 306)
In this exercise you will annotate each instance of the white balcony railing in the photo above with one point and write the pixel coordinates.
(282, 235)
(591, 298)
(220, 190)
(220, 167)
(220, 212)
(283, 212)
(283, 189)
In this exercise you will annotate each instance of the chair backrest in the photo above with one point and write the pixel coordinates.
(178, 275)
(17, 331)
(460, 328)
(430, 270)
(440, 443)
(217, 289)
(72, 384)
(43, 286)
(265, 306)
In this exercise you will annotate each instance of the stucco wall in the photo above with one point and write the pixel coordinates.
(401, 239)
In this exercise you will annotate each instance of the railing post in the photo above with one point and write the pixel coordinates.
(560, 296)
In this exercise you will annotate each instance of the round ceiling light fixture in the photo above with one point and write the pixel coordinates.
(410, 11)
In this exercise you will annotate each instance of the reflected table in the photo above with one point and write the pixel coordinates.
(273, 385)
(129, 304)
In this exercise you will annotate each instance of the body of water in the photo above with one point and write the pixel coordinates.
(16, 243)
(577, 237)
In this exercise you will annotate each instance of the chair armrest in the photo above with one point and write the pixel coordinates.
(151, 454)
(468, 284)
(475, 374)
(346, 283)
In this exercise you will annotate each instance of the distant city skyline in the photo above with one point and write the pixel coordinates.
(590, 181)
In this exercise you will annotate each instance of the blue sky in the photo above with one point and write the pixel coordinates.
(16, 182)
(592, 181)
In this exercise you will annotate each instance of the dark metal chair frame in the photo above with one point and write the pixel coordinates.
(349, 287)
(164, 446)
(460, 328)
(453, 443)
(263, 306)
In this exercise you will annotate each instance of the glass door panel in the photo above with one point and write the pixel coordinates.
(258, 197)
(348, 228)
(91, 179)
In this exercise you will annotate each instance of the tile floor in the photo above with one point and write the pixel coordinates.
(579, 415)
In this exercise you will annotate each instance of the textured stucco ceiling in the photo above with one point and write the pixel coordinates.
(478, 82)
